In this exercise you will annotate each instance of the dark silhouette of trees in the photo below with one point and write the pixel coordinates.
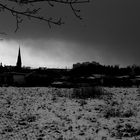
(32, 9)
(110, 70)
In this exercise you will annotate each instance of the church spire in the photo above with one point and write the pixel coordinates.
(19, 63)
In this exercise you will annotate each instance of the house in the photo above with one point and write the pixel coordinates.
(18, 78)
(12, 78)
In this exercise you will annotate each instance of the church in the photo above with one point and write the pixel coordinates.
(13, 74)
(19, 63)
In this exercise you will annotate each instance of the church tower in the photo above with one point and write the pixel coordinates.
(19, 63)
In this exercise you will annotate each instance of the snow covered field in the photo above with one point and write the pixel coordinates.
(49, 114)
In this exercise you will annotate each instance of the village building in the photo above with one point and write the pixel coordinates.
(13, 76)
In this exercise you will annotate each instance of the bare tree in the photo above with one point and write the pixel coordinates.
(31, 10)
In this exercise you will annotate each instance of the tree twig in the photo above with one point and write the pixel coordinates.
(33, 13)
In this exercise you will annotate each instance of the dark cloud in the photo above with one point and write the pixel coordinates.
(109, 32)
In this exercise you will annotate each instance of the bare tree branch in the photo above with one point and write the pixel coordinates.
(57, 1)
(30, 13)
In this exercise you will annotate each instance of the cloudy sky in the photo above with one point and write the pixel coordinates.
(108, 34)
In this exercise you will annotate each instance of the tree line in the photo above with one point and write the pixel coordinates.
(113, 70)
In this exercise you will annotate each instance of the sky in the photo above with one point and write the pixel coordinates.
(109, 34)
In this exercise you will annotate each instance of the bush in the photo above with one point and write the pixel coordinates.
(119, 110)
(88, 92)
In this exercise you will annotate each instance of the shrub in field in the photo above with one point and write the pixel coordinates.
(82, 102)
(125, 130)
(115, 109)
(61, 92)
(88, 92)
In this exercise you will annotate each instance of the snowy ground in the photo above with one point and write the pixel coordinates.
(40, 114)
